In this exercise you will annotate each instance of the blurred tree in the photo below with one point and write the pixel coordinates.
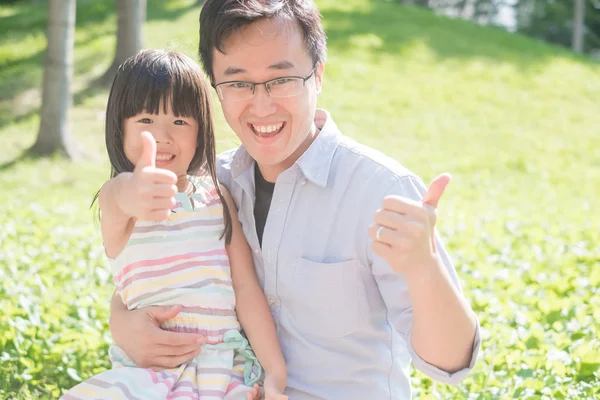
(55, 134)
(570, 23)
(131, 15)
(481, 11)
(561, 22)
(578, 26)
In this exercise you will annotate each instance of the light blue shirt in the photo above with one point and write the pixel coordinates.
(343, 316)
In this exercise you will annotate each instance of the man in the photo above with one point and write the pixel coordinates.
(343, 237)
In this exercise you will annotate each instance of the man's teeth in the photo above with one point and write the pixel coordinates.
(164, 157)
(267, 128)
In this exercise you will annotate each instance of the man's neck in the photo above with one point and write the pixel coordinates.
(271, 172)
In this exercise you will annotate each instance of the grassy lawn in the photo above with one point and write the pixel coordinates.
(515, 121)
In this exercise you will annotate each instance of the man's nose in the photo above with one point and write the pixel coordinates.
(262, 104)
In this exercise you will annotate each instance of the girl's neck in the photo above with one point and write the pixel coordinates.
(184, 185)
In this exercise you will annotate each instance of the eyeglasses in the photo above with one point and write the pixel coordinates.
(285, 86)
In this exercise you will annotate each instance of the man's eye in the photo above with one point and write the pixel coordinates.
(239, 85)
(280, 81)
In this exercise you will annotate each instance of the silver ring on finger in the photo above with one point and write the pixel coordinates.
(378, 233)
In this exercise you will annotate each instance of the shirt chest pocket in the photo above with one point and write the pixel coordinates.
(325, 301)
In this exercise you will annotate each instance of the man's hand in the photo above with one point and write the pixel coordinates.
(139, 334)
(403, 232)
(148, 193)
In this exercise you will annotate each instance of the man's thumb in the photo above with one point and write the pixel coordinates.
(436, 189)
(164, 313)
(148, 156)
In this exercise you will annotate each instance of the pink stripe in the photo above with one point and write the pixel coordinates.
(173, 269)
(156, 380)
(166, 260)
(208, 333)
(232, 386)
(213, 202)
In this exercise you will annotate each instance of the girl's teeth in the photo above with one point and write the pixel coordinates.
(164, 157)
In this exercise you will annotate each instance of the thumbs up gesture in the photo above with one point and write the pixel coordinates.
(403, 232)
(149, 192)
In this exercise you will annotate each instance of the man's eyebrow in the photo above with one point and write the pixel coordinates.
(278, 66)
(282, 65)
(234, 70)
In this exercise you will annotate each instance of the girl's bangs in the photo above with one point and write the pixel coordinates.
(162, 83)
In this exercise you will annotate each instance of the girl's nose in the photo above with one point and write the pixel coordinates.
(162, 137)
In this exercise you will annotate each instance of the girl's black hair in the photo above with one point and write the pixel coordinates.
(144, 82)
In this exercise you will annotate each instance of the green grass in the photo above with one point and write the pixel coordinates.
(515, 121)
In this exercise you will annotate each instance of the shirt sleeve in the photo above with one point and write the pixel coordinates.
(394, 290)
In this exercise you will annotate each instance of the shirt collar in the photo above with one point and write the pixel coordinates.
(316, 161)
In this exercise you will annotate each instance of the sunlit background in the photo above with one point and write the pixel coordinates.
(502, 94)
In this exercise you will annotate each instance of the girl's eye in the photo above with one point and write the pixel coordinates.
(179, 122)
(146, 121)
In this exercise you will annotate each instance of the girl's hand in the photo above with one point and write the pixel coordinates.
(254, 394)
(275, 396)
(274, 388)
(147, 193)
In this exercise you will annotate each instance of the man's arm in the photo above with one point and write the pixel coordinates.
(439, 325)
(444, 325)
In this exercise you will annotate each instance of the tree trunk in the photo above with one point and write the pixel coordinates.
(131, 15)
(54, 134)
(578, 26)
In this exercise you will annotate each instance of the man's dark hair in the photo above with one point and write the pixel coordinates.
(221, 18)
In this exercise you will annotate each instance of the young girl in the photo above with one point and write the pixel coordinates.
(172, 238)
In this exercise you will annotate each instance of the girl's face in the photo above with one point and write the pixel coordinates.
(176, 140)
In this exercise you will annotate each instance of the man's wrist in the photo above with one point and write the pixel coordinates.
(431, 269)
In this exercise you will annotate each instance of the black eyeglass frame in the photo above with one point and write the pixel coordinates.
(265, 84)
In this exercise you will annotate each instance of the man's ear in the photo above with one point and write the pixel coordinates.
(319, 74)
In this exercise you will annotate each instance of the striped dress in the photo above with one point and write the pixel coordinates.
(180, 261)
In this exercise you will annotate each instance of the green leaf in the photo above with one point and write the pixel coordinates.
(73, 374)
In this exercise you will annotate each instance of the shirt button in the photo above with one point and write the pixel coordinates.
(257, 250)
(271, 301)
(303, 182)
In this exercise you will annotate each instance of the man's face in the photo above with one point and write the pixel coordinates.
(275, 131)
